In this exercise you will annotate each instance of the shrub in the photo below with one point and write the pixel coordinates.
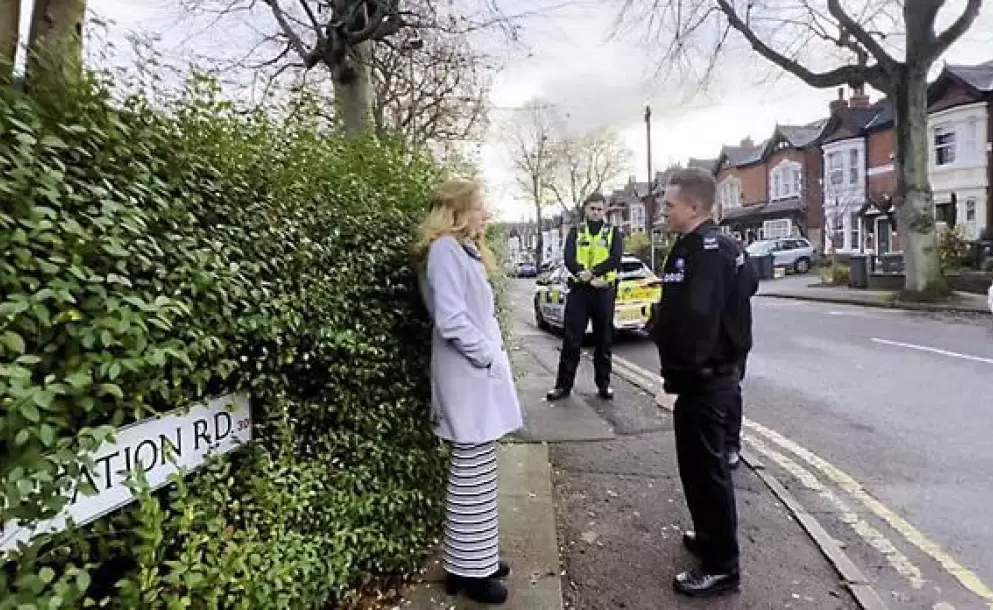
(157, 256)
(953, 248)
(836, 275)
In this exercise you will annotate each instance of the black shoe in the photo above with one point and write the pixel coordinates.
(697, 583)
(480, 590)
(503, 570)
(557, 394)
(691, 543)
(734, 459)
(606, 393)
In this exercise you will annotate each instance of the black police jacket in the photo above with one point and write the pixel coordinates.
(704, 320)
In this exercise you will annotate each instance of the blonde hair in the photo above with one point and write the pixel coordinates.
(450, 208)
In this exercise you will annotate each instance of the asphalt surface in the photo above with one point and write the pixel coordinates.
(881, 423)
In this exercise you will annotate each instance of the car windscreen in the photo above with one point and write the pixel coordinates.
(759, 248)
(633, 270)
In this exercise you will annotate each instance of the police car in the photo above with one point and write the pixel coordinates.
(638, 288)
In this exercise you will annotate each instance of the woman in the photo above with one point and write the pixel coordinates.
(472, 387)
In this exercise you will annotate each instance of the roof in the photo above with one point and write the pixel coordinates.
(800, 136)
(857, 120)
(738, 156)
(764, 209)
(707, 164)
(885, 115)
(979, 77)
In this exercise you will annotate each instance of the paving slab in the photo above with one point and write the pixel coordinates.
(527, 538)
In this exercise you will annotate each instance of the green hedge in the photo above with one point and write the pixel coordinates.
(157, 256)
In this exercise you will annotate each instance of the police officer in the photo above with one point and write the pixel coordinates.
(700, 334)
(592, 255)
(748, 284)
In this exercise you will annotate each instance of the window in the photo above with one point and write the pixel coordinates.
(637, 212)
(970, 210)
(854, 231)
(836, 172)
(853, 166)
(776, 229)
(784, 180)
(836, 234)
(970, 139)
(944, 145)
(730, 193)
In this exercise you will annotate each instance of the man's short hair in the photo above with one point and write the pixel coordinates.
(594, 198)
(696, 184)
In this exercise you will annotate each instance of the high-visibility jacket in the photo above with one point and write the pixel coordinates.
(594, 248)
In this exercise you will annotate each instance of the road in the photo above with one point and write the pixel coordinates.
(881, 422)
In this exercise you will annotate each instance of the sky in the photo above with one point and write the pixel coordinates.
(570, 55)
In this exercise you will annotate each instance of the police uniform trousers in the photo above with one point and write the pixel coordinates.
(735, 413)
(700, 420)
(587, 304)
(472, 538)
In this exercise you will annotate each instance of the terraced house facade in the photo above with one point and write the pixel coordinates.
(832, 181)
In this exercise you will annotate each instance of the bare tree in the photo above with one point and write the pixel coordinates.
(798, 38)
(584, 164)
(531, 142)
(10, 18)
(344, 37)
(430, 86)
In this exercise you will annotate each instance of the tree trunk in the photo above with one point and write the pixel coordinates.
(55, 44)
(353, 90)
(914, 198)
(10, 19)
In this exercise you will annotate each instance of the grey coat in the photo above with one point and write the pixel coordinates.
(472, 386)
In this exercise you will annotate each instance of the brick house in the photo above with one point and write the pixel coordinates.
(960, 155)
(626, 206)
(741, 187)
(794, 199)
(878, 231)
(857, 147)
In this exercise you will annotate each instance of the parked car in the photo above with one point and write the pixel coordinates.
(527, 270)
(793, 252)
(637, 290)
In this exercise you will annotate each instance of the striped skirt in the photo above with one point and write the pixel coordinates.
(472, 542)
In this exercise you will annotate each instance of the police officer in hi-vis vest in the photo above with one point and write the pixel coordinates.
(593, 252)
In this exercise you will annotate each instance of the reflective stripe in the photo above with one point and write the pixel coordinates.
(593, 252)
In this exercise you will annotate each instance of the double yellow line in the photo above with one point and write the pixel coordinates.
(652, 383)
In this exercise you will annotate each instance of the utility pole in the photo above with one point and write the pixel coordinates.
(651, 194)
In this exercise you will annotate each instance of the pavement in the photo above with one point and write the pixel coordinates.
(809, 288)
(592, 509)
(878, 422)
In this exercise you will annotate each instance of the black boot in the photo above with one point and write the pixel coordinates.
(503, 570)
(699, 583)
(606, 393)
(557, 394)
(480, 590)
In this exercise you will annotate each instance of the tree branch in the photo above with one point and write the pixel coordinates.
(294, 39)
(870, 44)
(844, 75)
(955, 31)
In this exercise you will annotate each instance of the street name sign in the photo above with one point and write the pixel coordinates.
(160, 446)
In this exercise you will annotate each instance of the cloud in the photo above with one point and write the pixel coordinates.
(606, 83)
(568, 57)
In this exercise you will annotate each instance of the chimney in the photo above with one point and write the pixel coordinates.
(859, 98)
(839, 103)
(747, 143)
